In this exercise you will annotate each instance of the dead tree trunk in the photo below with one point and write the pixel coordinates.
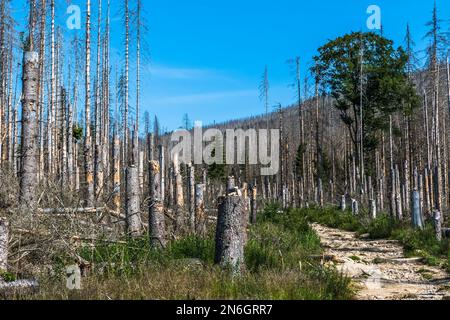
(200, 215)
(191, 189)
(157, 225)
(4, 238)
(116, 173)
(28, 181)
(253, 205)
(179, 197)
(229, 233)
(162, 166)
(416, 211)
(133, 202)
(88, 165)
(437, 218)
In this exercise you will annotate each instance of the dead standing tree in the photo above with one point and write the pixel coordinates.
(28, 181)
(157, 227)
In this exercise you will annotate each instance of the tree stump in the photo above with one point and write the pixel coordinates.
(437, 219)
(355, 207)
(200, 215)
(229, 233)
(373, 209)
(343, 204)
(133, 210)
(157, 225)
(416, 210)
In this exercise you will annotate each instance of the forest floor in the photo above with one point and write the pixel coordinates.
(379, 268)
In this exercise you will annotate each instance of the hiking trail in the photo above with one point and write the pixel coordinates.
(380, 270)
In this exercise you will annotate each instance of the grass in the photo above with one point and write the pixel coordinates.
(278, 258)
(420, 243)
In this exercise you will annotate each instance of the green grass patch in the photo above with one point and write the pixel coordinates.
(278, 256)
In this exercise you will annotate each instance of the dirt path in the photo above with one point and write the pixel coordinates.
(380, 270)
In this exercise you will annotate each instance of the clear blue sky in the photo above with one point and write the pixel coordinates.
(207, 57)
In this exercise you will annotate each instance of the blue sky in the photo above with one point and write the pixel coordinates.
(206, 58)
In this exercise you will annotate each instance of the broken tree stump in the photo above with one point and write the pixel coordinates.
(437, 219)
(355, 207)
(416, 210)
(200, 215)
(157, 225)
(180, 213)
(133, 211)
(229, 238)
(373, 208)
(343, 204)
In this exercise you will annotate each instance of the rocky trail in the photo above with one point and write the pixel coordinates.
(380, 270)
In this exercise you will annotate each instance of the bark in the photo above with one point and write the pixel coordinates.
(28, 181)
(133, 211)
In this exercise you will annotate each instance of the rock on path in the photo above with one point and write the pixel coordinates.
(380, 269)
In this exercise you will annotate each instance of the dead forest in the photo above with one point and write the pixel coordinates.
(79, 163)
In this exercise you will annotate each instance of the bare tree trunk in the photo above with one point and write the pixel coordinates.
(52, 108)
(157, 226)
(162, 166)
(88, 166)
(253, 205)
(127, 68)
(200, 215)
(28, 181)
(437, 218)
(179, 197)
(416, 212)
(191, 189)
(116, 173)
(4, 244)
(398, 197)
(133, 210)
